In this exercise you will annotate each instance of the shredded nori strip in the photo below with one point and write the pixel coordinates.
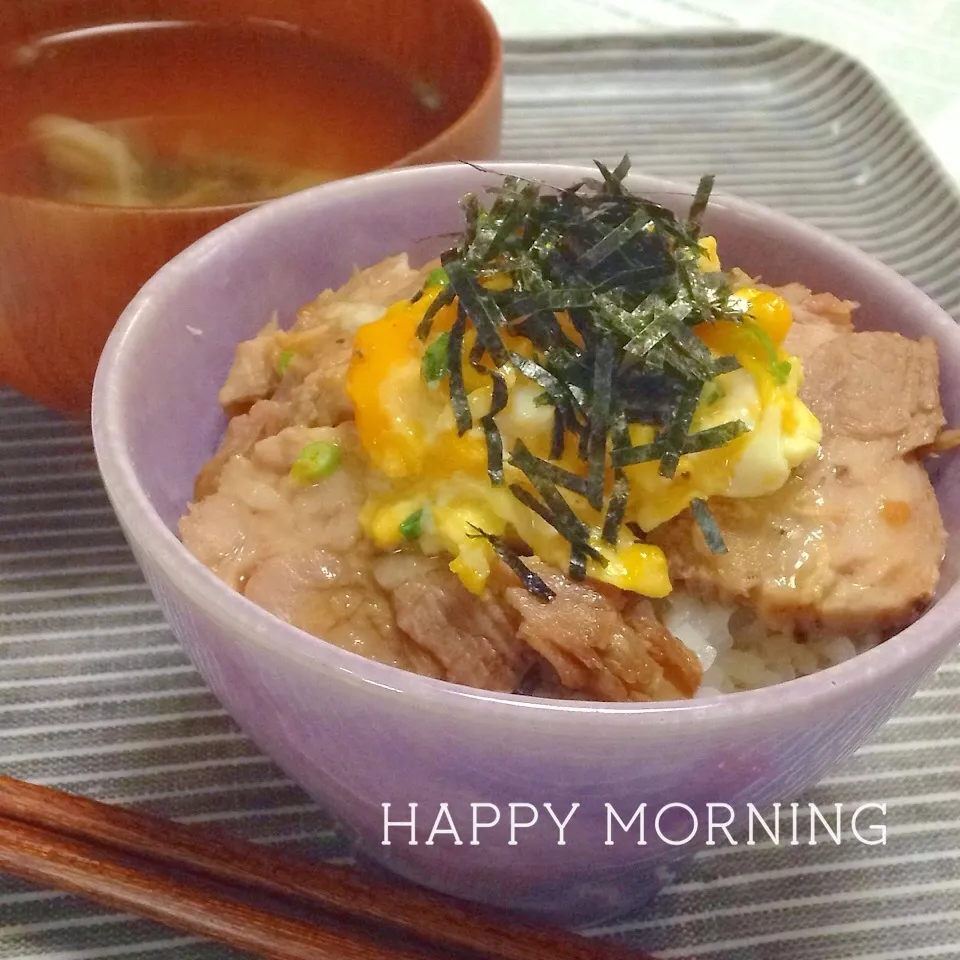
(558, 392)
(614, 181)
(477, 352)
(491, 433)
(578, 563)
(647, 339)
(675, 433)
(544, 512)
(544, 331)
(499, 395)
(605, 288)
(531, 302)
(599, 421)
(583, 446)
(551, 472)
(531, 502)
(458, 393)
(557, 440)
(619, 432)
(443, 298)
(712, 437)
(726, 364)
(707, 439)
(708, 526)
(700, 200)
(482, 311)
(494, 441)
(531, 581)
(562, 516)
(470, 206)
(616, 507)
(615, 239)
(628, 456)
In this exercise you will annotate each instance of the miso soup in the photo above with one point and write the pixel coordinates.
(189, 114)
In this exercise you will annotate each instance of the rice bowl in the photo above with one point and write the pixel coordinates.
(486, 471)
(356, 733)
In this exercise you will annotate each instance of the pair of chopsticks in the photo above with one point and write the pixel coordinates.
(207, 884)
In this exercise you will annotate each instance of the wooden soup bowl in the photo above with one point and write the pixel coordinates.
(67, 270)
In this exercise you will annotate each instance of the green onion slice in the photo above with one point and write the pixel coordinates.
(316, 460)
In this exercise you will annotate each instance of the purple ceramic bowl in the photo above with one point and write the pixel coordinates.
(357, 735)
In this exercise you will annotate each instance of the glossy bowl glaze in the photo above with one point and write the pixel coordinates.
(67, 270)
(358, 734)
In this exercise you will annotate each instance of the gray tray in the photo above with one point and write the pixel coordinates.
(96, 696)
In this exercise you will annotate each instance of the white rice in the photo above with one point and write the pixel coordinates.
(739, 653)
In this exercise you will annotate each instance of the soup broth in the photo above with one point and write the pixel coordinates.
(177, 114)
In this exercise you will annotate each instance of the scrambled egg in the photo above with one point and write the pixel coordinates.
(435, 488)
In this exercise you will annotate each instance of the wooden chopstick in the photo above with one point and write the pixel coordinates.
(62, 840)
(46, 857)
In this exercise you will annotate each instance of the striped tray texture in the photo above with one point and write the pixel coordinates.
(96, 696)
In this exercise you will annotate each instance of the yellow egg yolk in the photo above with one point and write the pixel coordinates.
(406, 426)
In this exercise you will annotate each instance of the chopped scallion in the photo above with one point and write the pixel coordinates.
(412, 526)
(317, 459)
(433, 365)
(780, 369)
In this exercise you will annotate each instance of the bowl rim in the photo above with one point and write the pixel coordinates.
(492, 80)
(913, 647)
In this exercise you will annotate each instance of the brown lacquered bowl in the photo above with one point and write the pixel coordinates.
(67, 270)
